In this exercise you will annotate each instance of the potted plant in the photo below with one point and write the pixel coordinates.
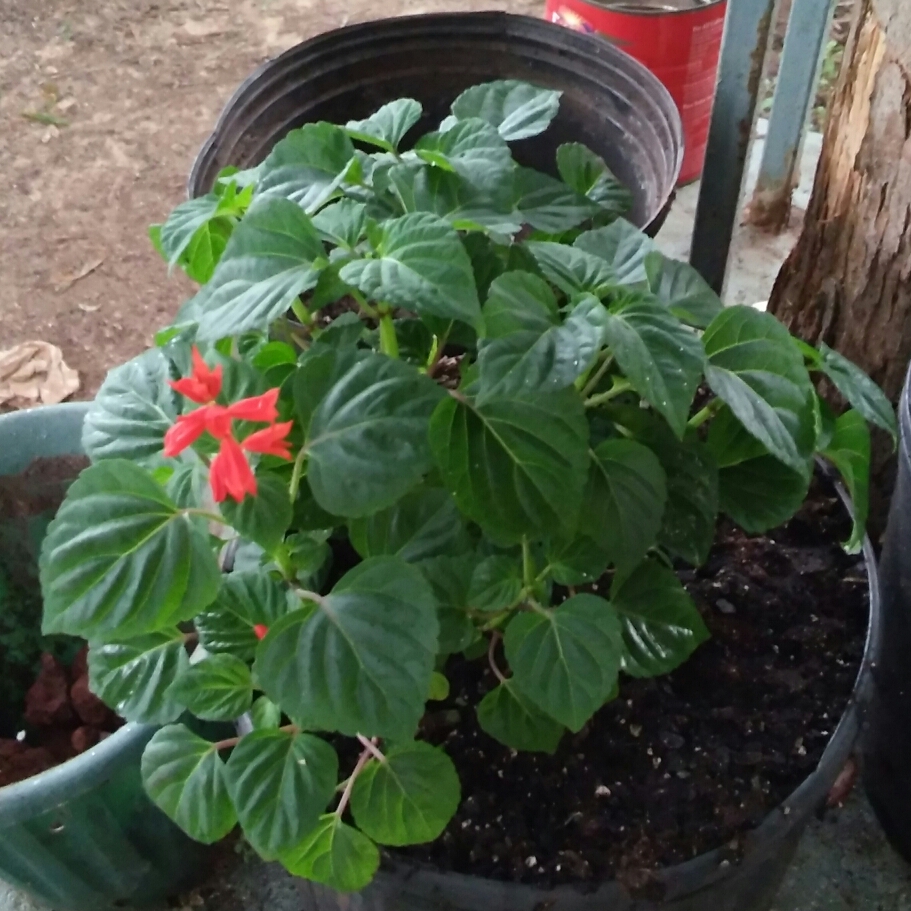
(79, 833)
(436, 429)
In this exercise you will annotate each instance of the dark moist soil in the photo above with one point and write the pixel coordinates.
(685, 763)
(47, 714)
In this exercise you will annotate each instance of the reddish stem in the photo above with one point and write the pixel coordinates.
(363, 759)
(491, 660)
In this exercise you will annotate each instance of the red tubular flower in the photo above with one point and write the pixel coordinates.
(185, 432)
(230, 474)
(203, 385)
(270, 441)
(257, 408)
(260, 631)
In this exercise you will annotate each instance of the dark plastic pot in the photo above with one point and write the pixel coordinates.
(610, 102)
(83, 836)
(887, 741)
(711, 882)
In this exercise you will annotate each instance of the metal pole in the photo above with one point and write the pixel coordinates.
(798, 76)
(746, 39)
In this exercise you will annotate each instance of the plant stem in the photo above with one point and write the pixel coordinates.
(368, 744)
(211, 516)
(701, 416)
(491, 660)
(233, 741)
(297, 473)
(528, 566)
(301, 312)
(363, 759)
(592, 384)
(362, 303)
(389, 344)
(618, 388)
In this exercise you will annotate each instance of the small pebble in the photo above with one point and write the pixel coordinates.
(725, 606)
(531, 861)
(635, 729)
(602, 791)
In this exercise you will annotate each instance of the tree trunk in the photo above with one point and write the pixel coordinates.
(848, 280)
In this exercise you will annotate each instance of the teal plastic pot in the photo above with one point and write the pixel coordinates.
(83, 836)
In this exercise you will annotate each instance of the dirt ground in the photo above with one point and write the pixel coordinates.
(103, 106)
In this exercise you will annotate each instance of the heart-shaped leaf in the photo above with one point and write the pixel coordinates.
(342, 223)
(548, 204)
(528, 361)
(661, 357)
(576, 561)
(423, 524)
(273, 256)
(218, 688)
(661, 625)
(359, 659)
(755, 368)
(517, 109)
(264, 518)
(849, 452)
(121, 560)
(308, 166)
(624, 501)
(473, 149)
(367, 441)
(280, 782)
(623, 247)
(134, 677)
(516, 465)
(185, 777)
(574, 271)
(420, 265)
(566, 660)
(496, 584)
(132, 412)
(409, 798)
(682, 290)
(509, 717)
(519, 301)
(336, 855)
(449, 578)
(387, 127)
(587, 174)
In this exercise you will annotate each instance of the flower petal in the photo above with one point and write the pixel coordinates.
(185, 431)
(270, 441)
(257, 408)
(230, 474)
(203, 385)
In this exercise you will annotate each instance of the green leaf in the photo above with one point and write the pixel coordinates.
(185, 777)
(624, 501)
(132, 411)
(367, 441)
(121, 560)
(755, 489)
(424, 523)
(439, 687)
(661, 625)
(133, 677)
(661, 357)
(280, 783)
(269, 261)
(682, 290)
(264, 518)
(321, 368)
(849, 452)
(472, 148)
(574, 271)
(245, 599)
(184, 224)
(754, 367)
(217, 688)
(577, 561)
(519, 301)
(623, 247)
(449, 578)
(861, 392)
(506, 715)
(308, 166)
(387, 127)
(359, 660)
(265, 715)
(587, 174)
(517, 109)
(409, 798)
(342, 223)
(548, 204)
(309, 554)
(566, 660)
(496, 584)
(336, 855)
(421, 266)
(206, 249)
(517, 465)
(528, 361)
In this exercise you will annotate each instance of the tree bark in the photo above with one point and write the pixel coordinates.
(848, 280)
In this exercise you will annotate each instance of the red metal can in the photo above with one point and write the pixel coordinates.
(678, 40)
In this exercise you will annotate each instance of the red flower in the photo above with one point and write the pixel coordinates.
(258, 408)
(185, 432)
(230, 474)
(203, 385)
(270, 441)
(260, 630)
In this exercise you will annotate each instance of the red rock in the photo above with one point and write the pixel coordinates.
(9, 748)
(48, 701)
(87, 705)
(84, 738)
(80, 666)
